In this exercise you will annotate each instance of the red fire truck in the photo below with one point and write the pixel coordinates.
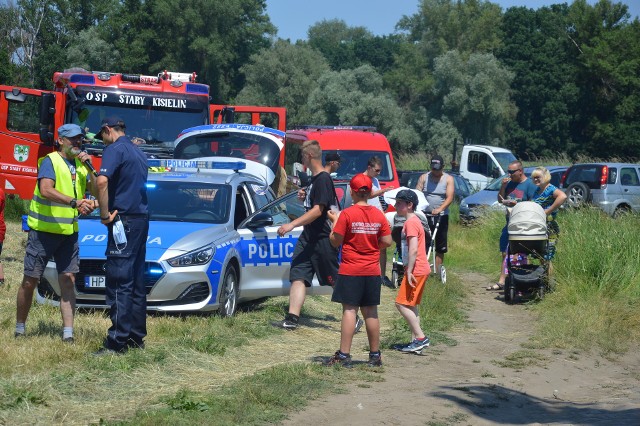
(155, 108)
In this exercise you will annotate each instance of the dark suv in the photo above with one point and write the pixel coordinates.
(614, 187)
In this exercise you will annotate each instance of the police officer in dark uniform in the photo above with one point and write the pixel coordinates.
(122, 196)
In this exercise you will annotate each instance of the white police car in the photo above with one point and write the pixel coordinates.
(212, 240)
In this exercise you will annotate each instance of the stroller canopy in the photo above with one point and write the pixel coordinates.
(527, 222)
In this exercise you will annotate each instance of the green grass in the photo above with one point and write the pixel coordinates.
(244, 371)
(238, 370)
(597, 293)
(596, 297)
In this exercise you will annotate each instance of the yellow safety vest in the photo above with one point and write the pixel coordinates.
(48, 216)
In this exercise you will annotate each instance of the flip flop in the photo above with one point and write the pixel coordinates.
(496, 286)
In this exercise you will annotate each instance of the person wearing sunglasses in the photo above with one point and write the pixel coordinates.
(515, 187)
(550, 198)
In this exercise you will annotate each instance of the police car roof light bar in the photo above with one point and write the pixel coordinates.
(197, 164)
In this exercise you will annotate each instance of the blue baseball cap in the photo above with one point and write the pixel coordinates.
(110, 122)
(69, 130)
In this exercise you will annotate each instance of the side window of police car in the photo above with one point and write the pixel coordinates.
(280, 209)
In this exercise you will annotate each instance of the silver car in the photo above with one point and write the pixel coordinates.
(613, 187)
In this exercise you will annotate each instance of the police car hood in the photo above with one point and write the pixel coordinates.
(178, 237)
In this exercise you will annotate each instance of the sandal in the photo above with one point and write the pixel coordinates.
(496, 286)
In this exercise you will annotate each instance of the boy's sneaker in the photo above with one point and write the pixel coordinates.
(289, 323)
(339, 359)
(417, 345)
(400, 346)
(375, 360)
(359, 323)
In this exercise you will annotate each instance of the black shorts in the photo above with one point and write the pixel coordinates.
(314, 257)
(44, 246)
(357, 290)
(441, 236)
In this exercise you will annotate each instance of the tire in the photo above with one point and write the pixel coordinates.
(229, 293)
(443, 274)
(512, 295)
(394, 278)
(578, 194)
(621, 211)
(541, 291)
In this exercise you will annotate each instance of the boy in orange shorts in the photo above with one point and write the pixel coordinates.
(416, 270)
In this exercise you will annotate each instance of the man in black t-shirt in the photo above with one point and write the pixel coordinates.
(313, 254)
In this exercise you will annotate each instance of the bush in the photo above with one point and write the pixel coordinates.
(14, 208)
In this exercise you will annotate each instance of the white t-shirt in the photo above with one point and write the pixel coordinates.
(375, 201)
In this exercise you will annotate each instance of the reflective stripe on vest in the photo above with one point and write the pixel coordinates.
(49, 216)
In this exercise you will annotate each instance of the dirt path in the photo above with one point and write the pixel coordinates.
(468, 384)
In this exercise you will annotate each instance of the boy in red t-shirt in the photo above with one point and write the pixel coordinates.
(362, 230)
(416, 270)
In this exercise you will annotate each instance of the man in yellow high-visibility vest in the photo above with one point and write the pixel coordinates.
(58, 199)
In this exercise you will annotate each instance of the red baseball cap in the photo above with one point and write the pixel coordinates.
(361, 183)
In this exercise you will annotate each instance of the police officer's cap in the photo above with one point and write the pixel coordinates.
(111, 121)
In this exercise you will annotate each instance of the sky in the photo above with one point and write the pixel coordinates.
(294, 17)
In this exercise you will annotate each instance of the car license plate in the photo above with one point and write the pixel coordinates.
(94, 281)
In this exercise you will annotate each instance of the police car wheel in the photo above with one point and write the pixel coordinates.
(229, 293)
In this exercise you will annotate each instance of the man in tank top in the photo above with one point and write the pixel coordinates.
(438, 188)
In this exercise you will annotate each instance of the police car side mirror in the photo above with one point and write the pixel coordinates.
(260, 220)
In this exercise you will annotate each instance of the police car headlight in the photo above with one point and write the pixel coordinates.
(199, 256)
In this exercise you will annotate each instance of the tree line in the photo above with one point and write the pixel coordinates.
(562, 79)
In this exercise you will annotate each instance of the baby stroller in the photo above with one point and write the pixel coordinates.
(431, 251)
(527, 235)
(397, 266)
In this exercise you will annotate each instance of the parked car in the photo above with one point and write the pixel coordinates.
(212, 241)
(613, 187)
(463, 188)
(477, 204)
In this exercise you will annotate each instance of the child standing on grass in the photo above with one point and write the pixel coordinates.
(363, 231)
(416, 270)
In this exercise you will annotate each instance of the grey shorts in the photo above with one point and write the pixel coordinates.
(44, 246)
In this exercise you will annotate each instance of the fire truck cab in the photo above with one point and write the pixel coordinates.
(154, 108)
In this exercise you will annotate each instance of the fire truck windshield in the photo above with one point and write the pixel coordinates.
(155, 117)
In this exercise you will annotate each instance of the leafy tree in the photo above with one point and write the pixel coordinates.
(537, 50)
(410, 78)
(347, 47)
(464, 25)
(474, 95)
(613, 61)
(335, 41)
(357, 97)
(283, 75)
(89, 51)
